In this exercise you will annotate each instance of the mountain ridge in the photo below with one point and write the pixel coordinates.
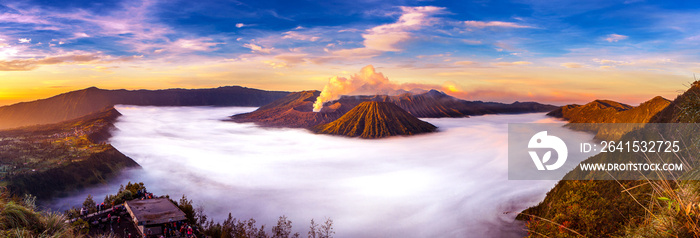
(595, 116)
(296, 109)
(608, 111)
(74, 104)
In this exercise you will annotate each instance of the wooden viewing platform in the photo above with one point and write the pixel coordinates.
(152, 214)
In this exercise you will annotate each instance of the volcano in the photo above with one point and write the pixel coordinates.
(371, 120)
(296, 109)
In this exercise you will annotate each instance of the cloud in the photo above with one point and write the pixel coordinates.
(200, 44)
(370, 82)
(465, 63)
(364, 173)
(387, 37)
(276, 65)
(286, 60)
(512, 63)
(484, 24)
(472, 42)
(23, 17)
(256, 48)
(33, 63)
(81, 35)
(505, 46)
(615, 38)
(24, 40)
(572, 65)
(240, 25)
(612, 62)
(381, 38)
(292, 58)
(357, 53)
(298, 36)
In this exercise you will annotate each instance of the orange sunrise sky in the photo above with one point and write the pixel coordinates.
(627, 51)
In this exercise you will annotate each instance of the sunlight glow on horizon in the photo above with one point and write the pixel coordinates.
(514, 53)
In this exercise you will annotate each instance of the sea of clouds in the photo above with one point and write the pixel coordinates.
(453, 183)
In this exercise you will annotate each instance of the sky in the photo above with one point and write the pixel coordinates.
(557, 52)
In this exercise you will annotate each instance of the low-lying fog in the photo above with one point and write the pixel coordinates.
(453, 183)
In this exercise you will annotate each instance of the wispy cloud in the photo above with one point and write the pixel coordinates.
(572, 65)
(257, 49)
(299, 36)
(387, 37)
(33, 63)
(200, 44)
(615, 38)
(483, 24)
(512, 63)
(465, 63)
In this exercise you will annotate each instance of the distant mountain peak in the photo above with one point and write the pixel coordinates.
(434, 92)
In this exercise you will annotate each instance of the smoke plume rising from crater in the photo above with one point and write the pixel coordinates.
(370, 82)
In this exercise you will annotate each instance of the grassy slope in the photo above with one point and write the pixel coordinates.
(609, 208)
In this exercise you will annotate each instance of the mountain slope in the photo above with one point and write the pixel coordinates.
(49, 159)
(582, 204)
(588, 117)
(86, 101)
(295, 110)
(606, 111)
(684, 109)
(375, 120)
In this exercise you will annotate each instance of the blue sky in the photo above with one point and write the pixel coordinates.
(552, 51)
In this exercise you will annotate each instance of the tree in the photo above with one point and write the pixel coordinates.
(186, 207)
(283, 228)
(312, 229)
(89, 204)
(327, 229)
(323, 231)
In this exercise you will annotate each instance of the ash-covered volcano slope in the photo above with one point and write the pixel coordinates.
(371, 120)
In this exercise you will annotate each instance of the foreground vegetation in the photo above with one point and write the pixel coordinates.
(19, 217)
(669, 207)
(203, 226)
